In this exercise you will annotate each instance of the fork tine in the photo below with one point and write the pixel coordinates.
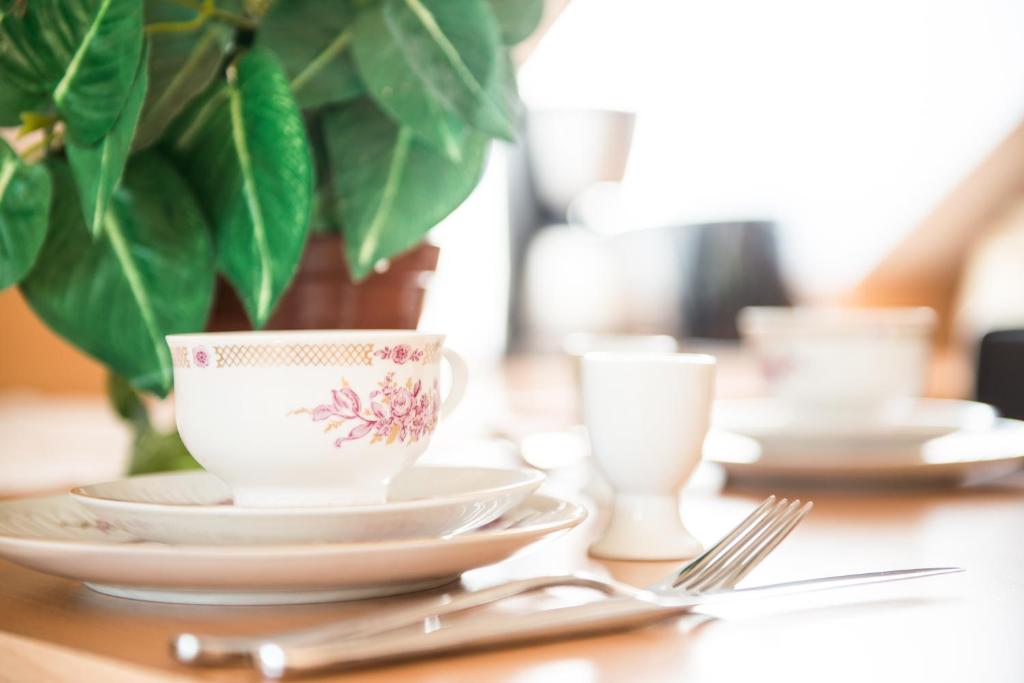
(765, 538)
(711, 580)
(711, 553)
(756, 543)
(739, 574)
(714, 568)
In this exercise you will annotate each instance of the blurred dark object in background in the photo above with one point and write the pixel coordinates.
(1000, 380)
(732, 265)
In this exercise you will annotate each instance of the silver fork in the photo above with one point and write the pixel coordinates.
(275, 660)
(721, 567)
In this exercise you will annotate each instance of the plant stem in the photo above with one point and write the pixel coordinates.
(39, 145)
(31, 120)
(42, 145)
(236, 20)
(336, 47)
(206, 9)
(177, 26)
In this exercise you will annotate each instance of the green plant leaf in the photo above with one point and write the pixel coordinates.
(149, 274)
(391, 187)
(21, 89)
(429, 65)
(325, 214)
(155, 451)
(243, 146)
(24, 209)
(311, 39)
(84, 53)
(181, 65)
(504, 91)
(517, 18)
(126, 401)
(152, 451)
(98, 168)
(13, 101)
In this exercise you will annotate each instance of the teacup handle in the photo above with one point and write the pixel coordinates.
(460, 374)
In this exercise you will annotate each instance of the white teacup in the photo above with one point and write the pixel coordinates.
(306, 418)
(840, 363)
(647, 415)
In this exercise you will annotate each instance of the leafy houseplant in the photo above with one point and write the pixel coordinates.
(182, 139)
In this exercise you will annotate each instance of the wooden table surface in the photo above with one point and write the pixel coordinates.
(964, 627)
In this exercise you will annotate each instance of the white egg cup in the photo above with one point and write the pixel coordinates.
(647, 415)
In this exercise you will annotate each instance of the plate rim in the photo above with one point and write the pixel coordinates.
(531, 477)
(824, 465)
(922, 466)
(830, 431)
(574, 515)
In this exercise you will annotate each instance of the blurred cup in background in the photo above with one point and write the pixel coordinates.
(838, 363)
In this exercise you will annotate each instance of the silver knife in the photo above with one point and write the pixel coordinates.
(276, 660)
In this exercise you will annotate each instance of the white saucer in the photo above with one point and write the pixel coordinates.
(195, 508)
(57, 536)
(784, 431)
(961, 457)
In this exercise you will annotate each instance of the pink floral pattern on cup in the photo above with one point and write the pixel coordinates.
(201, 357)
(399, 354)
(403, 413)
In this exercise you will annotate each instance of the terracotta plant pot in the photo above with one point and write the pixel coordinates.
(322, 296)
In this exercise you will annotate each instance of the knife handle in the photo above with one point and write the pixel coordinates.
(190, 648)
(276, 660)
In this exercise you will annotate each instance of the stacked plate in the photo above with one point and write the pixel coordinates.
(918, 441)
(178, 538)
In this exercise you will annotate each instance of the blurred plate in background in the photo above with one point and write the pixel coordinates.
(964, 457)
(785, 433)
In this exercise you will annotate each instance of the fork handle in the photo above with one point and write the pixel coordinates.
(211, 650)
(275, 660)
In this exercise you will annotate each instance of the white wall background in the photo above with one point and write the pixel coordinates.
(846, 121)
(467, 297)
